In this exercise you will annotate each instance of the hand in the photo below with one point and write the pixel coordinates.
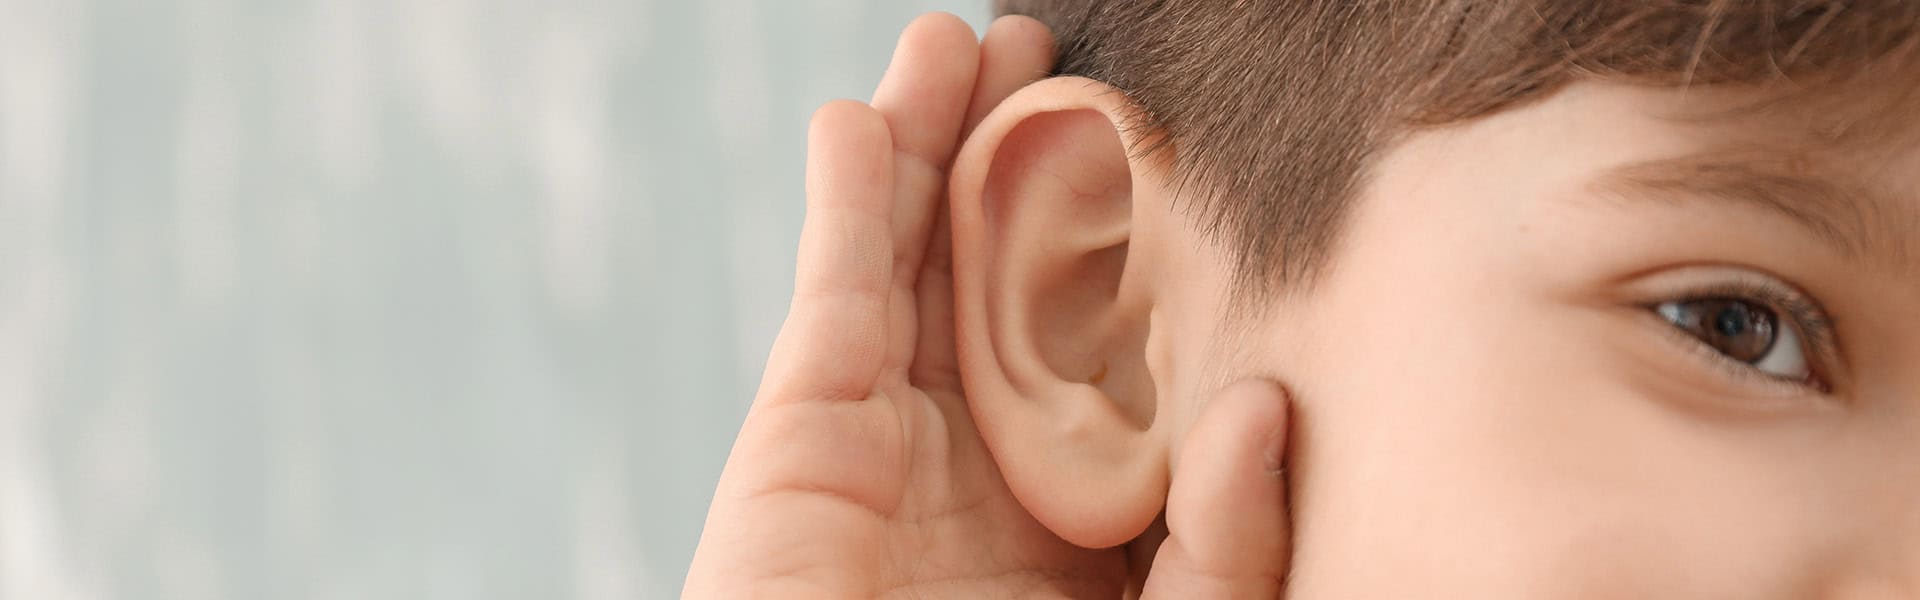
(858, 472)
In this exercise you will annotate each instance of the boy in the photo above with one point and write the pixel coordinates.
(1575, 300)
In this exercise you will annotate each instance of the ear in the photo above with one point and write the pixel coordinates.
(1054, 222)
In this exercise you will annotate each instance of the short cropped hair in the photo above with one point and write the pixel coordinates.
(1274, 109)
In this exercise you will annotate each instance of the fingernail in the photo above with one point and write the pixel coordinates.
(1276, 451)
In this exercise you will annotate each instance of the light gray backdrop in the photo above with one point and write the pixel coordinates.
(393, 298)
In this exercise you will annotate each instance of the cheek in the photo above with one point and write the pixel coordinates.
(1474, 441)
(1393, 457)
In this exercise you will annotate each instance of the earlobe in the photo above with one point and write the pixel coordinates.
(1053, 309)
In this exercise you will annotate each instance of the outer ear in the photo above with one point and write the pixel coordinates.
(1054, 315)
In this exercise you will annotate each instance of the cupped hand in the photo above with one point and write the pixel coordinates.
(858, 472)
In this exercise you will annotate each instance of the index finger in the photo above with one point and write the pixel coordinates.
(1227, 530)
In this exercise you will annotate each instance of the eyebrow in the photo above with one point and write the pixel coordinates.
(1839, 212)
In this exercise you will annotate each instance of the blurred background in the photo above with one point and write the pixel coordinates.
(394, 298)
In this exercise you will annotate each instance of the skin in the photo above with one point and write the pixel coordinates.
(859, 472)
(1488, 403)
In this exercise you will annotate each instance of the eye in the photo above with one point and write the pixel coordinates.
(1746, 331)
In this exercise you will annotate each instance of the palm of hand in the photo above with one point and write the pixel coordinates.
(903, 500)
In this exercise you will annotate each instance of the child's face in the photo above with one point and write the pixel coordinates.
(1493, 399)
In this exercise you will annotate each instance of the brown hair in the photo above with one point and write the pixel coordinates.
(1274, 109)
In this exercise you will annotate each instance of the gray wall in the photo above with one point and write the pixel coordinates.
(393, 298)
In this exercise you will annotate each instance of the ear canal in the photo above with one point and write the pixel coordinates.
(1053, 312)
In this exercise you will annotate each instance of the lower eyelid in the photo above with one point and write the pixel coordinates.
(1739, 373)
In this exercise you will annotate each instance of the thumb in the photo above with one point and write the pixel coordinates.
(1227, 531)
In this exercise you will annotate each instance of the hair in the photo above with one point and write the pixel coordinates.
(1274, 109)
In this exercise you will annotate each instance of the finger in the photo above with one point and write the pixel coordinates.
(1226, 512)
(925, 91)
(936, 358)
(924, 98)
(834, 338)
(1016, 51)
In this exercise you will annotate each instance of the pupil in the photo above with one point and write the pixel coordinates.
(1732, 320)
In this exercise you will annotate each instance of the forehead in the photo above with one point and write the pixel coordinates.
(1846, 166)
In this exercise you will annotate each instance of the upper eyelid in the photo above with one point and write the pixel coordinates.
(1815, 323)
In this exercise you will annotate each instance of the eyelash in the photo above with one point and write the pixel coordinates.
(1802, 312)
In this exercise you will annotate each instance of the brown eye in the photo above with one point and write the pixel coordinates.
(1743, 330)
(1737, 328)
